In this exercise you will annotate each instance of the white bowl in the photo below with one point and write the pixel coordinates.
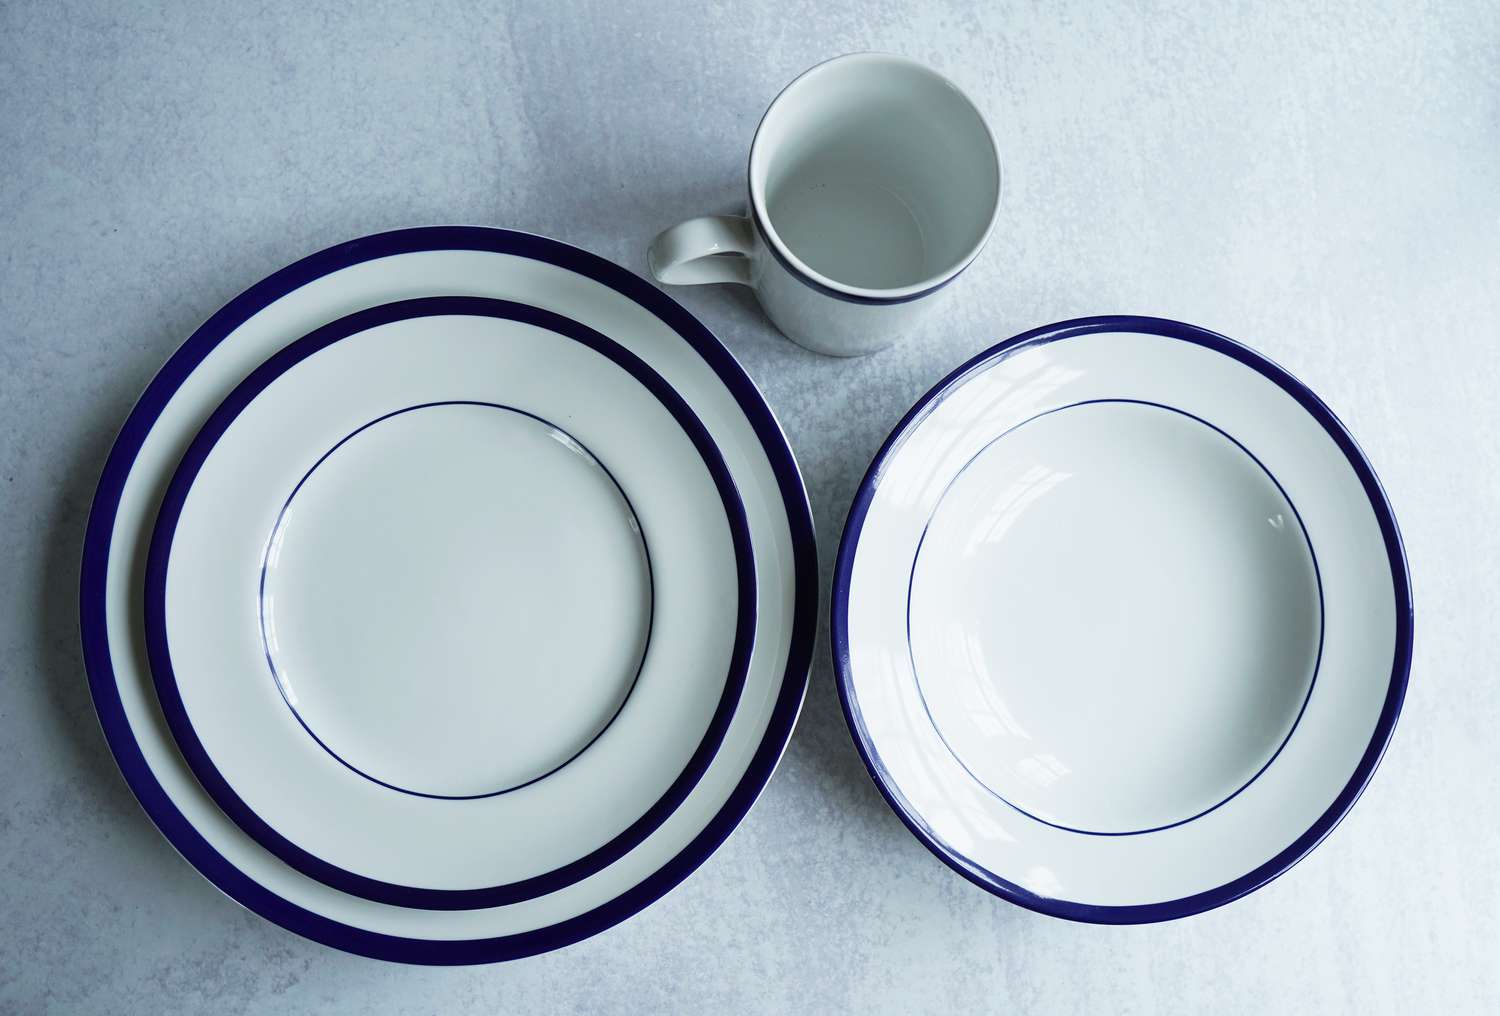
(1121, 620)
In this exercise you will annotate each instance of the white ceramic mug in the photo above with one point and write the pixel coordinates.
(874, 182)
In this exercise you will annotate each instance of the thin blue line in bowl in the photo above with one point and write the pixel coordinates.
(1317, 658)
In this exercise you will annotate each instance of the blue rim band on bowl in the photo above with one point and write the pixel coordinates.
(1390, 707)
(99, 537)
(290, 699)
(197, 755)
(1317, 659)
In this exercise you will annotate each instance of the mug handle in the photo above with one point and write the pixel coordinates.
(713, 248)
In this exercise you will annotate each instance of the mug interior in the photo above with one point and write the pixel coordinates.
(872, 173)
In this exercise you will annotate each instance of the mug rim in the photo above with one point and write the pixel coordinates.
(832, 287)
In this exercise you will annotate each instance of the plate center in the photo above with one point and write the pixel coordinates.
(1114, 617)
(456, 599)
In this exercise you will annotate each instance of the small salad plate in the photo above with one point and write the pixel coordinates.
(502, 580)
(479, 605)
(1121, 620)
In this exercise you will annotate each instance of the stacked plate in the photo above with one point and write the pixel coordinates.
(449, 595)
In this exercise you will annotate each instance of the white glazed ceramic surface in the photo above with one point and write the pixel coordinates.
(495, 582)
(1113, 617)
(456, 602)
(873, 183)
(1118, 623)
(782, 562)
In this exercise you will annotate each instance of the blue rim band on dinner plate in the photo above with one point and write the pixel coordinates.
(290, 700)
(195, 752)
(1317, 659)
(99, 537)
(1390, 707)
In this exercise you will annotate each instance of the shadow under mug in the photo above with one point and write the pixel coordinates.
(874, 182)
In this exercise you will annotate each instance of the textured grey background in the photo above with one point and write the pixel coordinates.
(1320, 182)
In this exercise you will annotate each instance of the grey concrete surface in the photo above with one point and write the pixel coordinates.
(1319, 180)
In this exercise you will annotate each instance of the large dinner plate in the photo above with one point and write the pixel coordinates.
(547, 277)
(1121, 620)
(444, 570)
